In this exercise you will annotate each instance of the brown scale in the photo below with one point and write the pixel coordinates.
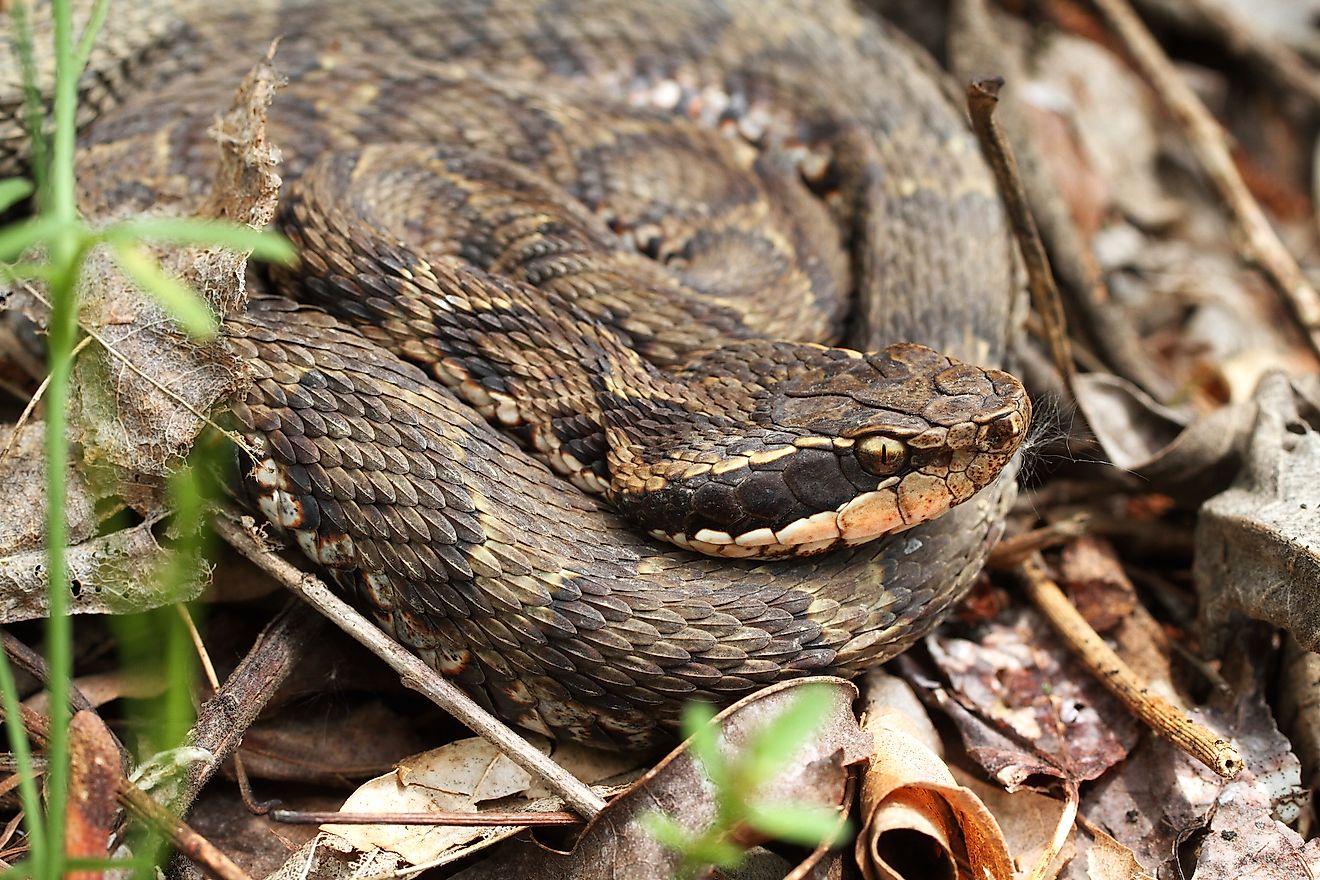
(547, 608)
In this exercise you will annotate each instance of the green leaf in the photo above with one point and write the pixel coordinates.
(15, 271)
(776, 744)
(715, 850)
(13, 190)
(177, 298)
(802, 825)
(18, 237)
(666, 831)
(88, 38)
(703, 736)
(269, 246)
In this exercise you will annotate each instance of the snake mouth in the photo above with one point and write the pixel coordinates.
(939, 480)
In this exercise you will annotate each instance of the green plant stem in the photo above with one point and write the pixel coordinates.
(27, 779)
(65, 256)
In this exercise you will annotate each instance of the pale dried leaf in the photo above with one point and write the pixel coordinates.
(1258, 543)
(1017, 677)
(460, 777)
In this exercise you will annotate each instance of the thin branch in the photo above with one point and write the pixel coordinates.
(1240, 37)
(34, 400)
(1170, 722)
(1257, 241)
(225, 718)
(982, 98)
(1012, 551)
(415, 674)
(446, 818)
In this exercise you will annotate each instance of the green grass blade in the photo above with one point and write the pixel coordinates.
(185, 306)
(65, 253)
(12, 191)
(34, 110)
(267, 246)
(27, 777)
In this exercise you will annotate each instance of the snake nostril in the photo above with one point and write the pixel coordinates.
(1004, 433)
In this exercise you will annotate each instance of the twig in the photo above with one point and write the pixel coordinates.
(415, 674)
(976, 45)
(135, 800)
(34, 400)
(1014, 550)
(1064, 827)
(34, 664)
(1217, 753)
(447, 818)
(226, 717)
(1256, 240)
(982, 98)
(1282, 64)
(244, 785)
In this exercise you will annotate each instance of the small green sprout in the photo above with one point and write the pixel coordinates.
(739, 814)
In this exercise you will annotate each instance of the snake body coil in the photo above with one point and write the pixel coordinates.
(598, 223)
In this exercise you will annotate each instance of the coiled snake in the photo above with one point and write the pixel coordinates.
(596, 223)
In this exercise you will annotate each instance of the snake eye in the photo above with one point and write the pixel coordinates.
(881, 455)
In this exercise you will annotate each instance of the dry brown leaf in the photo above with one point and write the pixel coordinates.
(616, 843)
(94, 775)
(1018, 679)
(1107, 859)
(1028, 819)
(1299, 708)
(142, 425)
(1096, 583)
(917, 820)
(347, 741)
(1160, 799)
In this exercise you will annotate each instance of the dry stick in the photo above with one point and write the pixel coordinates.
(1170, 722)
(982, 98)
(1241, 39)
(138, 802)
(976, 44)
(415, 674)
(1012, 551)
(447, 818)
(1256, 240)
(1064, 827)
(226, 717)
(199, 646)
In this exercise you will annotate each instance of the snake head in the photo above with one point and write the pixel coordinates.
(825, 447)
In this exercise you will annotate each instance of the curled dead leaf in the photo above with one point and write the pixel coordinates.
(917, 821)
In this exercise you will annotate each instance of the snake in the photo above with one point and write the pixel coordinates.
(637, 354)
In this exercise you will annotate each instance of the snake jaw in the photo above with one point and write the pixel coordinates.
(842, 449)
